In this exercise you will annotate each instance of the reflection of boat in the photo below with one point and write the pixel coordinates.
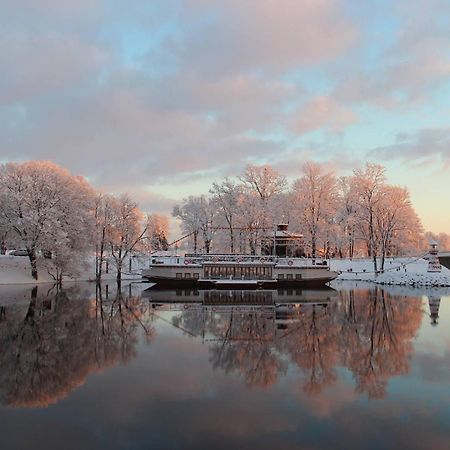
(241, 297)
(242, 271)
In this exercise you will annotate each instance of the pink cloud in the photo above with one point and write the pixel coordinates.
(37, 64)
(274, 35)
(322, 112)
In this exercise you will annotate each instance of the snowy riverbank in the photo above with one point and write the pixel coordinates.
(398, 271)
(17, 270)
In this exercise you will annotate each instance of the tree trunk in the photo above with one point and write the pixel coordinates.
(375, 263)
(99, 262)
(31, 307)
(59, 279)
(33, 262)
(195, 241)
(313, 246)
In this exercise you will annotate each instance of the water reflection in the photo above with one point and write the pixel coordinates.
(434, 303)
(369, 332)
(52, 342)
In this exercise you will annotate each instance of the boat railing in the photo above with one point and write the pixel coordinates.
(190, 259)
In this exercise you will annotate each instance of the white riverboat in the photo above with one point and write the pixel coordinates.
(221, 271)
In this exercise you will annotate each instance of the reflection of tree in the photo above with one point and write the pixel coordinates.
(378, 344)
(368, 331)
(51, 345)
(312, 346)
(238, 341)
(246, 345)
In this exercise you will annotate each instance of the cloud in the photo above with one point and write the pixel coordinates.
(322, 112)
(117, 135)
(266, 34)
(39, 64)
(424, 146)
(413, 63)
(152, 95)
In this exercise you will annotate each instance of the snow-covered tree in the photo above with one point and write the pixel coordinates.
(103, 213)
(395, 221)
(369, 185)
(48, 210)
(227, 196)
(315, 197)
(442, 239)
(346, 218)
(267, 185)
(125, 231)
(197, 215)
(158, 229)
(264, 180)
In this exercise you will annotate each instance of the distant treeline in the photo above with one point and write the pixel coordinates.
(357, 215)
(59, 220)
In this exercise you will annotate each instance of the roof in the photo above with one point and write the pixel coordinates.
(284, 235)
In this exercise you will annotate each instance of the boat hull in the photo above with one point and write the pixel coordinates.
(177, 283)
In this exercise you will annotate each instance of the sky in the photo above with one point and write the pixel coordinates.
(161, 98)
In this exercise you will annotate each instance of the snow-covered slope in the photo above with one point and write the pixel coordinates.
(398, 271)
(17, 270)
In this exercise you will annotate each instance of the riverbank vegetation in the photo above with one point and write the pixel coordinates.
(58, 219)
(357, 215)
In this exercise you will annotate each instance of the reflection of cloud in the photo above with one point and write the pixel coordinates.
(434, 365)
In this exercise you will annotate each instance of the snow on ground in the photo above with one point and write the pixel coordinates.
(414, 279)
(17, 270)
(398, 271)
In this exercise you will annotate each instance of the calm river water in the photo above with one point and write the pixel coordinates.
(354, 367)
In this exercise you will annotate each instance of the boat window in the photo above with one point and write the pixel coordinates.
(187, 275)
(289, 276)
(195, 275)
(281, 276)
(179, 275)
(298, 276)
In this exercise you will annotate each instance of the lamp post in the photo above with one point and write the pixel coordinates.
(433, 263)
